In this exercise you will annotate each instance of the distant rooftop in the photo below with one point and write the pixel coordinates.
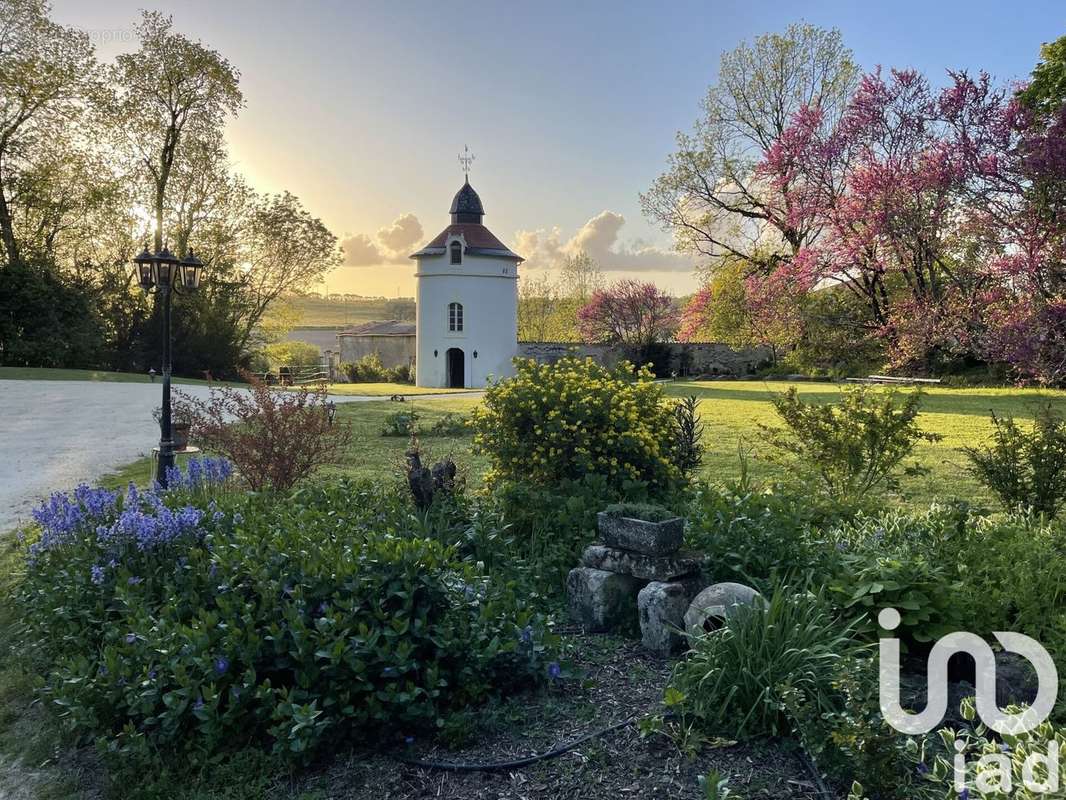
(389, 327)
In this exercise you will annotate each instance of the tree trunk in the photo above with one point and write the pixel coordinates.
(7, 228)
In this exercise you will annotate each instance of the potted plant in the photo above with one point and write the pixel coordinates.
(180, 423)
(641, 528)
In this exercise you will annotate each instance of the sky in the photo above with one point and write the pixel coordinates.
(570, 108)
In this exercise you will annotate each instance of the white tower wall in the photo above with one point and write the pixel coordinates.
(466, 267)
(487, 290)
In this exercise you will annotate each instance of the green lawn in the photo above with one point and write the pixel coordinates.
(385, 389)
(731, 411)
(372, 455)
(43, 374)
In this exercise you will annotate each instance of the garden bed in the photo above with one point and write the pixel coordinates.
(614, 678)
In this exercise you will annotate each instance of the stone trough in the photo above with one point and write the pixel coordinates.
(638, 567)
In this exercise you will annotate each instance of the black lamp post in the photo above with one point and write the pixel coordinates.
(162, 272)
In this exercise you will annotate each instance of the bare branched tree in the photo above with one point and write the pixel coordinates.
(711, 196)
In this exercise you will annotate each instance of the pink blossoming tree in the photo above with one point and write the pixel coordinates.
(630, 313)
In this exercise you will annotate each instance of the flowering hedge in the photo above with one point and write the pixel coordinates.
(556, 422)
(236, 618)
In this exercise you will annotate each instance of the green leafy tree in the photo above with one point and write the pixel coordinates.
(284, 248)
(170, 91)
(45, 71)
(46, 320)
(1046, 92)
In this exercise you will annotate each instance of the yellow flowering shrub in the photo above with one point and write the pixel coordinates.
(556, 422)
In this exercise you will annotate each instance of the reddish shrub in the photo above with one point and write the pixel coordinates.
(276, 437)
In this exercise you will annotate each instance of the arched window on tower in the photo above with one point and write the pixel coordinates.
(455, 317)
(457, 253)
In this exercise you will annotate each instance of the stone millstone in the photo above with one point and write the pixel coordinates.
(713, 605)
(599, 600)
(661, 607)
(650, 538)
(649, 568)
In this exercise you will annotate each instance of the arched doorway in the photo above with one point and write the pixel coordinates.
(456, 368)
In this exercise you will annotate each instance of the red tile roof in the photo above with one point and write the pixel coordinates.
(477, 238)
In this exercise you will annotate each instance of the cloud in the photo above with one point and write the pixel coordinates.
(600, 237)
(403, 233)
(391, 245)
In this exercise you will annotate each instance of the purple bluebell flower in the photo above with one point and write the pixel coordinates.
(131, 638)
(922, 768)
(964, 794)
(527, 634)
(555, 671)
(198, 704)
(64, 517)
(221, 665)
(408, 740)
(152, 674)
(133, 580)
(96, 574)
(199, 473)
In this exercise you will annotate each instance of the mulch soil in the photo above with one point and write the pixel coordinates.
(613, 680)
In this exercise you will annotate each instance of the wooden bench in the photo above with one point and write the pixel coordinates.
(893, 380)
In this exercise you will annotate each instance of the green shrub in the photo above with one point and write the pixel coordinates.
(400, 423)
(645, 511)
(759, 537)
(300, 355)
(852, 448)
(556, 422)
(984, 572)
(922, 591)
(687, 450)
(404, 373)
(935, 758)
(1025, 470)
(735, 681)
(1009, 581)
(913, 562)
(545, 529)
(290, 622)
(853, 742)
(451, 424)
(369, 369)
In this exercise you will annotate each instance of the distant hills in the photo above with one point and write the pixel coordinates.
(339, 311)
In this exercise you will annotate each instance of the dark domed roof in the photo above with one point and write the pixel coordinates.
(466, 205)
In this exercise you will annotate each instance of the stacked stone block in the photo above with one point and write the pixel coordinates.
(639, 567)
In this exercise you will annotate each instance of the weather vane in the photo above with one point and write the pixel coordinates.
(466, 159)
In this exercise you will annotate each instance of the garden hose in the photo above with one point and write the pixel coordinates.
(458, 766)
(520, 762)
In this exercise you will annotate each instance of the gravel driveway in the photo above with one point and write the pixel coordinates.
(57, 434)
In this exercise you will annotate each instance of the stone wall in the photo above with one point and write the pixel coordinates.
(323, 338)
(394, 351)
(686, 358)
